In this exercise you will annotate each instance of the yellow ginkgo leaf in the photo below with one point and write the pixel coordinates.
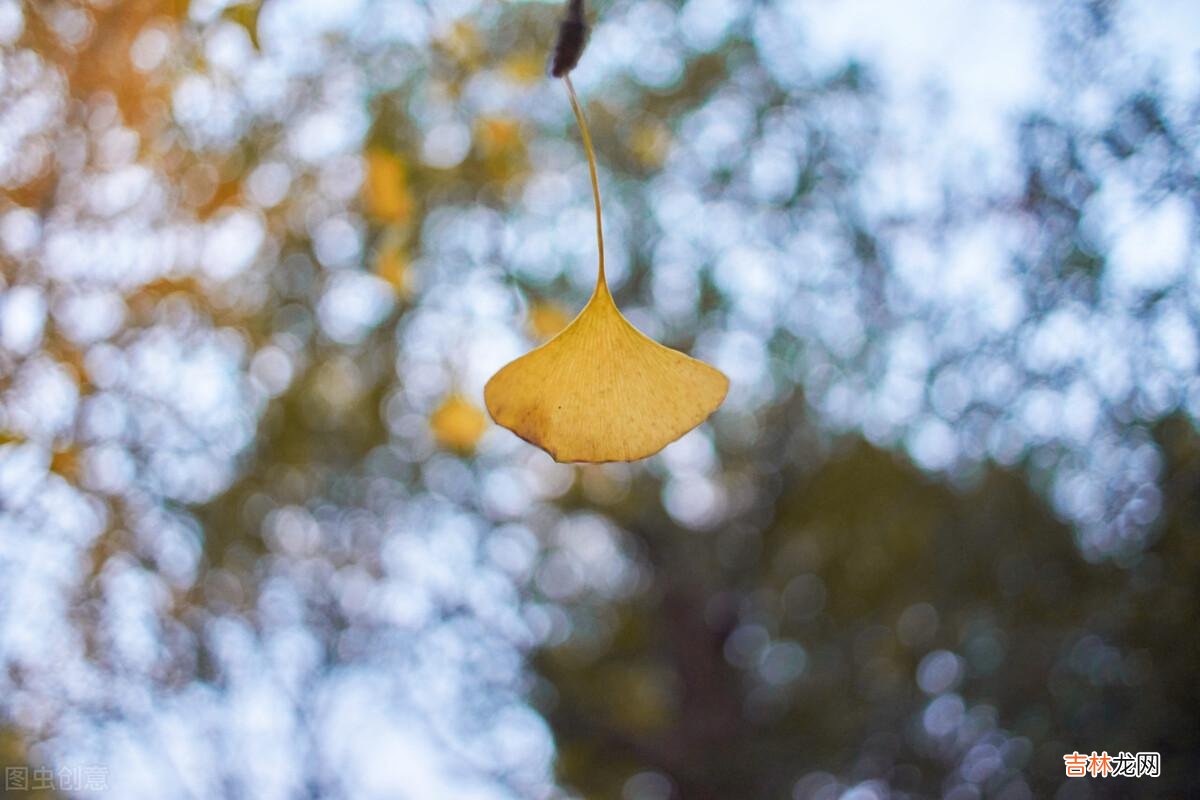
(385, 188)
(457, 424)
(601, 390)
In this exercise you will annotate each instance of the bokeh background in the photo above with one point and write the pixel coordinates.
(258, 539)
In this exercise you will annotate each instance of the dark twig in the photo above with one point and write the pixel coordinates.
(572, 38)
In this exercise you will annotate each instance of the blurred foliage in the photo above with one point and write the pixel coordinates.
(869, 574)
(258, 538)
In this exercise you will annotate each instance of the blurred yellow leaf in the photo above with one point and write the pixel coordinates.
(392, 265)
(65, 462)
(246, 15)
(603, 391)
(143, 300)
(385, 188)
(458, 423)
(68, 355)
(649, 142)
(498, 135)
(525, 67)
(159, 288)
(463, 44)
(546, 320)
(501, 147)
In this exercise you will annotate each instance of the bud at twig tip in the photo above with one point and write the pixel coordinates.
(572, 38)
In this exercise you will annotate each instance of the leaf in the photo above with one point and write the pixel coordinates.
(498, 135)
(392, 264)
(650, 142)
(526, 67)
(66, 462)
(385, 190)
(462, 44)
(501, 148)
(457, 424)
(246, 15)
(603, 391)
